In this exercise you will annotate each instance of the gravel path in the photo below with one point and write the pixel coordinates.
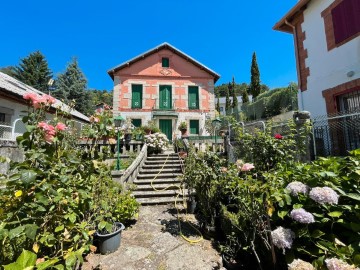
(153, 242)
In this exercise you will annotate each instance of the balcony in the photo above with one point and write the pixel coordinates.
(167, 109)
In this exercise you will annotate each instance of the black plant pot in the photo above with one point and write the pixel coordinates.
(191, 206)
(108, 243)
(230, 264)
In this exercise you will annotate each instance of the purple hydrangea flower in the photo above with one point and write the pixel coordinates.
(324, 195)
(336, 264)
(297, 187)
(298, 264)
(302, 216)
(282, 238)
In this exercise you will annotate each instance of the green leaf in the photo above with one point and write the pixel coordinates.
(59, 228)
(46, 264)
(329, 174)
(30, 128)
(297, 206)
(30, 231)
(28, 176)
(16, 232)
(102, 225)
(70, 260)
(317, 234)
(72, 217)
(282, 214)
(335, 214)
(354, 196)
(26, 261)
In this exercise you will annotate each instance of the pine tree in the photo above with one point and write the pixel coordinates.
(9, 70)
(34, 71)
(255, 86)
(235, 101)
(218, 102)
(71, 85)
(228, 101)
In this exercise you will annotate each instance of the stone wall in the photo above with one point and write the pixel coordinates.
(9, 149)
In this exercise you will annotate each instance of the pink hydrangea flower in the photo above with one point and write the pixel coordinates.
(60, 126)
(298, 264)
(247, 167)
(302, 216)
(336, 264)
(297, 187)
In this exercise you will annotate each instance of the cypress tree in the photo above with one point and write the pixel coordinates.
(235, 101)
(255, 86)
(71, 85)
(218, 104)
(228, 101)
(245, 96)
(34, 71)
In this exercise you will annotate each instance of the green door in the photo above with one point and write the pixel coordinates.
(165, 126)
(165, 97)
(193, 97)
(194, 127)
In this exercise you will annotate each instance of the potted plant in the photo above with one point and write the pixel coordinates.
(156, 142)
(138, 134)
(229, 252)
(183, 128)
(108, 241)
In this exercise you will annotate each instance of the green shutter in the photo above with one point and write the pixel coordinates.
(165, 62)
(165, 100)
(136, 101)
(165, 125)
(193, 97)
(194, 126)
(136, 122)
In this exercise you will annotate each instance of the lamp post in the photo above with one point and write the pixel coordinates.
(216, 123)
(118, 121)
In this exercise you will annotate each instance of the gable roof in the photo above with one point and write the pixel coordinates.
(17, 89)
(168, 46)
(297, 9)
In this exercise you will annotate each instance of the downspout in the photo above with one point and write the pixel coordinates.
(297, 60)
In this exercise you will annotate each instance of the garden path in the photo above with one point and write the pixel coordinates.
(153, 242)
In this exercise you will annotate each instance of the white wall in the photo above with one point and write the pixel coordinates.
(327, 68)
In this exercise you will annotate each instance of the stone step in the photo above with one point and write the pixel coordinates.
(175, 181)
(150, 162)
(162, 175)
(150, 158)
(162, 193)
(157, 186)
(159, 166)
(163, 200)
(163, 171)
(164, 155)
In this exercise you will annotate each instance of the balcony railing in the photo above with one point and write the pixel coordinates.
(157, 106)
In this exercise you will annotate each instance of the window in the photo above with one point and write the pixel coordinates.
(2, 117)
(136, 122)
(194, 126)
(136, 101)
(193, 96)
(349, 102)
(165, 62)
(346, 20)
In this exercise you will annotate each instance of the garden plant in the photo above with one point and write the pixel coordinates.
(56, 199)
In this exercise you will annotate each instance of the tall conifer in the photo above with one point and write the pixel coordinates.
(228, 101)
(255, 87)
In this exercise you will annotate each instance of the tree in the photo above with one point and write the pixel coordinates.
(234, 96)
(71, 85)
(245, 96)
(34, 71)
(255, 87)
(9, 70)
(228, 102)
(218, 104)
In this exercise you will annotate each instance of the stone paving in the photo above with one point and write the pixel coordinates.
(153, 242)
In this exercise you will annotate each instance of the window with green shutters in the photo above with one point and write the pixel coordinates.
(194, 126)
(136, 100)
(165, 62)
(136, 122)
(193, 97)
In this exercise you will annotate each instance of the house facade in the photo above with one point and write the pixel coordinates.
(166, 86)
(327, 48)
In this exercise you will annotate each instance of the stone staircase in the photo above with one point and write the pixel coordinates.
(167, 178)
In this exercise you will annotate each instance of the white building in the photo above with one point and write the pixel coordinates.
(222, 102)
(327, 47)
(13, 107)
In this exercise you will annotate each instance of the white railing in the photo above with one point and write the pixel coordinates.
(10, 132)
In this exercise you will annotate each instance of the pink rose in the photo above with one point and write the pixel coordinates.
(49, 138)
(49, 99)
(30, 96)
(278, 136)
(247, 167)
(60, 126)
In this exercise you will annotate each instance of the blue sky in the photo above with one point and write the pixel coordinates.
(101, 34)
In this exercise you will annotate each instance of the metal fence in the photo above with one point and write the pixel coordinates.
(336, 135)
(9, 132)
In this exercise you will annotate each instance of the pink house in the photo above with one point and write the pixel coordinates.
(167, 86)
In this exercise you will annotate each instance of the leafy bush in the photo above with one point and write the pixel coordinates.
(56, 198)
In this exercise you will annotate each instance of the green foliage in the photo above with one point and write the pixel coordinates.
(34, 71)
(255, 86)
(272, 103)
(151, 127)
(228, 101)
(56, 198)
(220, 90)
(71, 85)
(9, 70)
(182, 125)
(234, 104)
